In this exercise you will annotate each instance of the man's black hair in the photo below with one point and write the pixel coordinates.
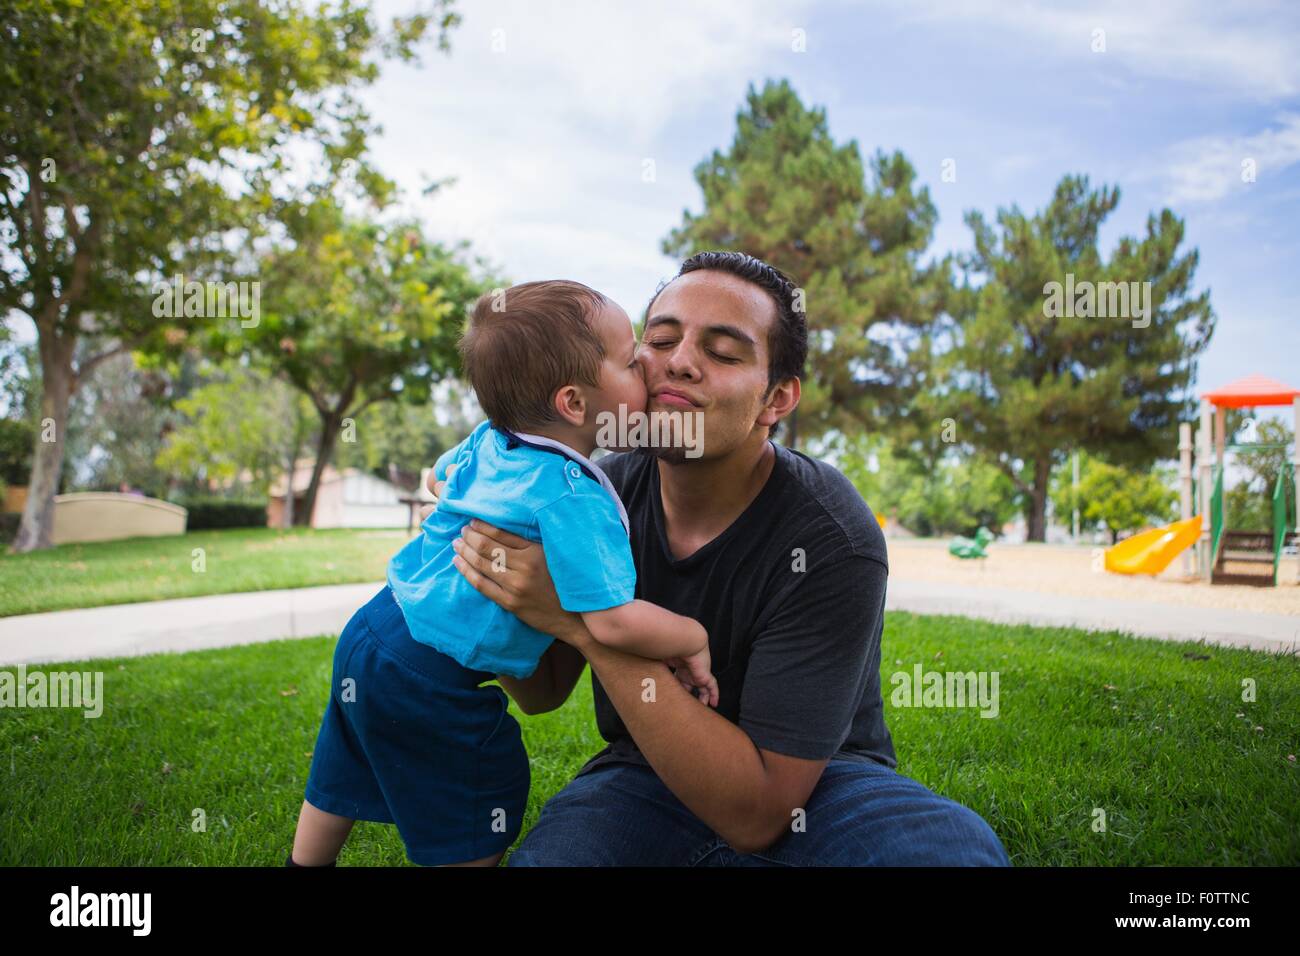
(787, 344)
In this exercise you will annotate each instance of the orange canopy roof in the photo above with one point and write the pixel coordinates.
(1251, 391)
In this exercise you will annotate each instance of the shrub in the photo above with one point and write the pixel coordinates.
(224, 513)
(16, 439)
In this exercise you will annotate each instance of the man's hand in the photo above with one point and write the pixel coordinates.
(435, 489)
(511, 571)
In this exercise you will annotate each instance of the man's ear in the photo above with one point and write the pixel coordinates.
(780, 402)
(571, 405)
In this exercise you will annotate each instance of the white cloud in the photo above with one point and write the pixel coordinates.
(1211, 167)
(1242, 47)
(545, 112)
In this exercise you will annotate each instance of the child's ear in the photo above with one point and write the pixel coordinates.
(571, 405)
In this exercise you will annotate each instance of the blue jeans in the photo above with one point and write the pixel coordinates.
(859, 814)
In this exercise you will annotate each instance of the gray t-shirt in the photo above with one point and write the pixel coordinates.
(793, 598)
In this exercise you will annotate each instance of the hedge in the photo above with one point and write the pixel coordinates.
(224, 513)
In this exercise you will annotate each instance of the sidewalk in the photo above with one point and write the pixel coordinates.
(1228, 627)
(186, 624)
(222, 620)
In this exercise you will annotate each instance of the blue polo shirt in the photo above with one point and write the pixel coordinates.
(534, 487)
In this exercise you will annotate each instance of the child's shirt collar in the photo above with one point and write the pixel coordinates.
(543, 443)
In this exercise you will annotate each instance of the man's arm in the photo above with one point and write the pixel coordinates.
(551, 684)
(744, 793)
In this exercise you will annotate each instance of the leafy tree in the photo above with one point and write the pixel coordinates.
(398, 442)
(1248, 505)
(240, 423)
(788, 194)
(15, 451)
(949, 494)
(360, 312)
(117, 427)
(20, 394)
(123, 126)
(1119, 499)
(1027, 380)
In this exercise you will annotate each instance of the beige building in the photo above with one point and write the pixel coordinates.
(350, 498)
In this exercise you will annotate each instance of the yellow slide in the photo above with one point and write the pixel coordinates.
(1151, 551)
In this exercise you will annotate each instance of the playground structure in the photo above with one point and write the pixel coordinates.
(1254, 555)
(1152, 551)
(964, 548)
(1220, 545)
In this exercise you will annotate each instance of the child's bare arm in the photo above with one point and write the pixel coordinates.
(645, 629)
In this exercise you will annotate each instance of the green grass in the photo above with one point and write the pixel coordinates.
(150, 569)
(1134, 727)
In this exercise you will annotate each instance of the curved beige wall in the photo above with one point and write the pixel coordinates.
(107, 516)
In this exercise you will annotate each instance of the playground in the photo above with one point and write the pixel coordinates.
(1075, 571)
(1199, 560)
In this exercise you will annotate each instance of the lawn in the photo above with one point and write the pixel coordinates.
(150, 569)
(1154, 733)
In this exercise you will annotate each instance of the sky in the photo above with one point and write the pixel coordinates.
(549, 112)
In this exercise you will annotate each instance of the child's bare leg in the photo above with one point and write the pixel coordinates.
(486, 861)
(320, 836)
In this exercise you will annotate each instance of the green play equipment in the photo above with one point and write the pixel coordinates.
(1227, 555)
(971, 547)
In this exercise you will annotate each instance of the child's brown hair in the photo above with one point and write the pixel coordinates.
(523, 343)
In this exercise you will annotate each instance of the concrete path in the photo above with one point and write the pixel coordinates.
(185, 624)
(1223, 626)
(188, 624)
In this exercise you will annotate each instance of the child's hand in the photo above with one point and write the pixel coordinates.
(435, 488)
(693, 672)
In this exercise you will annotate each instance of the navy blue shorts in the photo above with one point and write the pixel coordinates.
(410, 738)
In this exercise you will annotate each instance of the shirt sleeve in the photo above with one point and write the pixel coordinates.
(587, 551)
(807, 669)
(455, 451)
(446, 458)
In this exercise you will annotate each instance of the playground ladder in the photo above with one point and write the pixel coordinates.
(1262, 548)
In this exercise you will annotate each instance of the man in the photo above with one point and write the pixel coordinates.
(780, 559)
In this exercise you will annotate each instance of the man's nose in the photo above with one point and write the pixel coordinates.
(681, 361)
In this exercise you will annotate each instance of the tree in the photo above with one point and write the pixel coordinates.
(17, 411)
(19, 388)
(1248, 505)
(15, 451)
(122, 126)
(399, 442)
(117, 428)
(950, 493)
(1121, 499)
(786, 193)
(1030, 376)
(239, 423)
(361, 312)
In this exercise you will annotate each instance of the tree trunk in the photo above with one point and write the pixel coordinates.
(1038, 500)
(329, 433)
(36, 530)
(286, 518)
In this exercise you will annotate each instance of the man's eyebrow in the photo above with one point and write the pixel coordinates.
(730, 331)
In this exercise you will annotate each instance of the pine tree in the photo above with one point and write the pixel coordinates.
(788, 194)
(1048, 354)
